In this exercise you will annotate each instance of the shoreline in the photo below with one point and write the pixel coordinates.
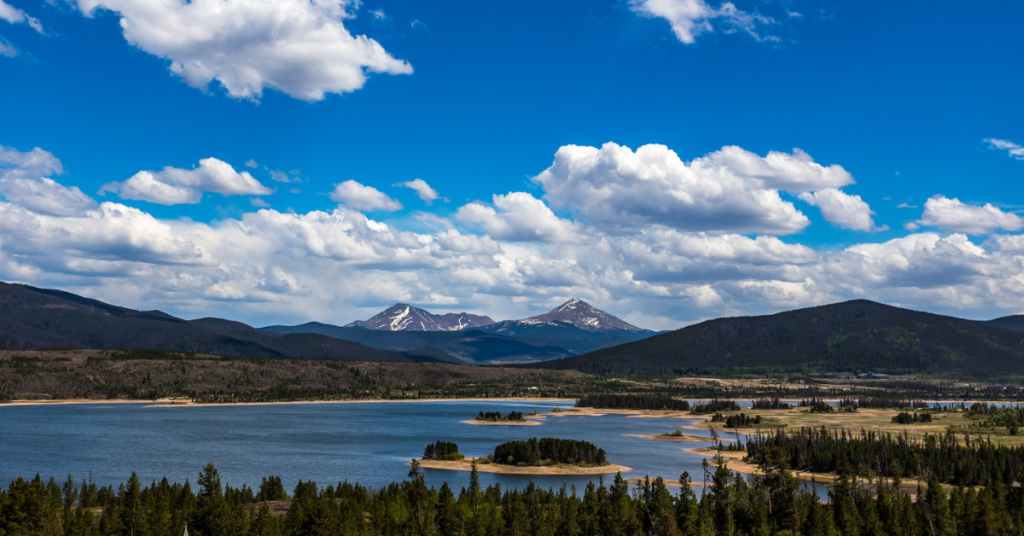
(503, 423)
(174, 404)
(677, 439)
(466, 465)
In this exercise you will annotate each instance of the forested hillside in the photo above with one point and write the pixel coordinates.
(33, 318)
(849, 336)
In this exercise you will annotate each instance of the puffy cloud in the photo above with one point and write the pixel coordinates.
(23, 181)
(34, 162)
(845, 210)
(423, 190)
(953, 215)
(1014, 150)
(690, 18)
(14, 15)
(46, 196)
(175, 186)
(614, 187)
(518, 216)
(365, 198)
(299, 47)
(796, 172)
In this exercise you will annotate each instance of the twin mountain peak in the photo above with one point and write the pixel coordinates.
(575, 312)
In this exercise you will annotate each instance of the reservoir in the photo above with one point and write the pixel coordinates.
(368, 443)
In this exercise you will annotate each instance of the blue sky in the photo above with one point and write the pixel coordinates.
(476, 99)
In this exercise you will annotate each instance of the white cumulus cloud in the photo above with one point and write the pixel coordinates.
(953, 215)
(845, 210)
(23, 181)
(174, 186)
(690, 18)
(423, 190)
(1014, 150)
(364, 198)
(731, 190)
(794, 172)
(298, 47)
(518, 216)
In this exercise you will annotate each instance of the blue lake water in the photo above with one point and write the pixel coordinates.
(369, 443)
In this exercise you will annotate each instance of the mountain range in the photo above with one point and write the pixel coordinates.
(572, 328)
(404, 317)
(851, 336)
(33, 318)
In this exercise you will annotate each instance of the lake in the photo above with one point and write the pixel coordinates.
(368, 443)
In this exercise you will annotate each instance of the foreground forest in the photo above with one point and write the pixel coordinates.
(772, 502)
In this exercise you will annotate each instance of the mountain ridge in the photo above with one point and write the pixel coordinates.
(846, 336)
(32, 318)
(404, 317)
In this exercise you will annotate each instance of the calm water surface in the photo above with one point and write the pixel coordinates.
(366, 443)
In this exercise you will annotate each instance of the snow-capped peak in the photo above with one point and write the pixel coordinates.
(574, 312)
(404, 317)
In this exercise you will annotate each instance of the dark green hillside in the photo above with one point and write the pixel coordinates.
(1013, 323)
(33, 318)
(849, 336)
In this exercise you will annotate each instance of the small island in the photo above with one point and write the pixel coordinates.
(547, 456)
(442, 451)
(514, 418)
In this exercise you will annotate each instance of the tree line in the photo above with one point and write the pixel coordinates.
(533, 452)
(498, 417)
(713, 406)
(442, 450)
(740, 420)
(972, 462)
(910, 418)
(769, 403)
(771, 502)
(632, 401)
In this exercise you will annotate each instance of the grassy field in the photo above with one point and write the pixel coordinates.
(879, 420)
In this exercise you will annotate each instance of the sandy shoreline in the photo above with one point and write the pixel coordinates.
(465, 465)
(678, 439)
(503, 423)
(181, 404)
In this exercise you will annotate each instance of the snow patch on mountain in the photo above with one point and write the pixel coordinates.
(404, 317)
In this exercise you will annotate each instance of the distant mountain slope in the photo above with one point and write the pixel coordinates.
(1012, 323)
(404, 317)
(584, 316)
(572, 328)
(34, 318)
(464, 346)
(854, 335)
(574, 320)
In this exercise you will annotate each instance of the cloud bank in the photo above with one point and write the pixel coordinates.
(697, 241)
